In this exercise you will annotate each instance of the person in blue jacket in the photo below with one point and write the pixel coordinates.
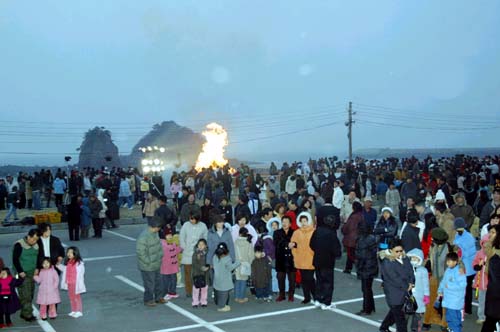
(452, 289)
(467, 244)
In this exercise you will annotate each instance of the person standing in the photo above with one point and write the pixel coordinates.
(284, 259)
(25, 261)
(59, 186)
(493, 291)
(350, 232)
(95, 207)
(326, 247)
(366, 265)
(149, 256)
(167, 216)
(49, 246)
(398, 279)
(74, 218)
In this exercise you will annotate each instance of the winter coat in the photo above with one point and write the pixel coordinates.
(170, 259)
(481, 280)
(59, 186)
(213, 240)
(227, 211)
(86, 215)
(261, 272)
(326, 247)
(110, 207)
(452, 286)
(48, 289)
(235, 232)
(350, 229)
(370, 217)
(74, 212)
(80, 277)
(385, 230)
(150, 207)
(270, 223)
(302, 252)
(366, 257)
(410, 239)
(149, 251)
(223, 277)
(421, 288)
(437, 257)
(167, 216)
(396, 277)
(14, 305)
(467, 244)
(124, 189)
(55, 247)
(267, 243)
(188, 209)
(464, 211)
(95, 208)
(244, 255)
(447, 222)
(199, 261)
(486, 213)
(189, 236)
(493, 291)
(346, 210)
(284, 257)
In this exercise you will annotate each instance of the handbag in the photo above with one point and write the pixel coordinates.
(199, 281)
(410, 305)
(245, 269)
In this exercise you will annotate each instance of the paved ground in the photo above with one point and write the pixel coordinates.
(114, 299)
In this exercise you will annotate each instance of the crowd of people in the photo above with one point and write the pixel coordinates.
(426, 227)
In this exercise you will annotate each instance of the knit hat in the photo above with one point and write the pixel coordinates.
(459, 223)
(440, 196)
(155, 222)
(368, 198)
(386, 208)
(438, 234)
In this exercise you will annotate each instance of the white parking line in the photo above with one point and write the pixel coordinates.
(121, 235)
(93, 259)
(358, 318)
(175, 307)
(43, 323)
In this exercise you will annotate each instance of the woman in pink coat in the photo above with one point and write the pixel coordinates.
(48, 290)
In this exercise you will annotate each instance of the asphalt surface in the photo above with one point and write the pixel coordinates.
(113, 301)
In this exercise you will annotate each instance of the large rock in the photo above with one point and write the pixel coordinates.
(98, 150)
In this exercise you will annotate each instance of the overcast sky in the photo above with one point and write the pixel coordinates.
(277, 74)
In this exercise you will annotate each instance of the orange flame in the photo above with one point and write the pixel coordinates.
(212, 153)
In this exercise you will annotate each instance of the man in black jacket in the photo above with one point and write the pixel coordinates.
(409, 237)
(49, 246)
(326, 247)
(167, 216)
(3, 194)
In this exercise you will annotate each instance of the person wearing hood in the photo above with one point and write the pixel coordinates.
(366, 265)
(350, 232)
(494, 220)
(398, 279)
(410, 235)
(85, 219)
(216, 234)
(462, 210)
(270, 250)
(386, 228)
(303, 255)
(327, 249)
(421, 290)
(445, 220)
(481, 280)
(466, 242)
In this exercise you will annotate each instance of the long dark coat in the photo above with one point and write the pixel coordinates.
(284, 257)
(493, 290)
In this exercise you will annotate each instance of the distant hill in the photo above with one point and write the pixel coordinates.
(423, 153)
(98, 149)
(182, 144)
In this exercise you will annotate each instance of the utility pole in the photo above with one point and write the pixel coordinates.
(349, 127)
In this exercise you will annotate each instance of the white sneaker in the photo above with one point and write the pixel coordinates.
(328, 307)
(324, 307)
(317, 304)
(72, 314)
(78, 314)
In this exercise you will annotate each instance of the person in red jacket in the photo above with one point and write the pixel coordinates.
(292, 213)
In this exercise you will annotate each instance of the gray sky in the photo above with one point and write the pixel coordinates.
(277, 74)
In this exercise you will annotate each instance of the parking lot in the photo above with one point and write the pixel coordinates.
(113, 301)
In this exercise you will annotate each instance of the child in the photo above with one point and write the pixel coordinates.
(481, 281)
(267, 243)
(421, 289)
(200, 274)
(245, 255)
(9, 302)
(223, 279)
(72, 280)
(48, 291)
(261, 274)
(452, 289)
(169, 264)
